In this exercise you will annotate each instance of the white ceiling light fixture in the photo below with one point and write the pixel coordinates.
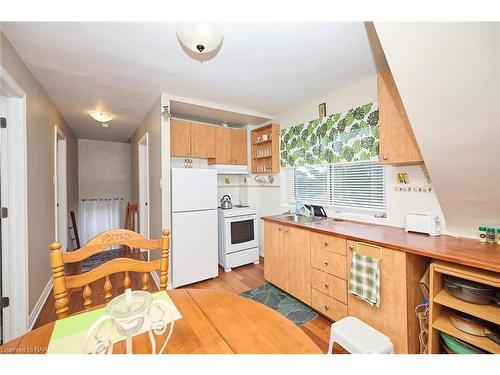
(102, 117)
(203, 40)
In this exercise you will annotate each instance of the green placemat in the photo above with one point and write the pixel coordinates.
(68, 334)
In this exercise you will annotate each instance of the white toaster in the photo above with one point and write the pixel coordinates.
(423, 224)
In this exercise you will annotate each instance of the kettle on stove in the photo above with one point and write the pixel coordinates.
(225, 202)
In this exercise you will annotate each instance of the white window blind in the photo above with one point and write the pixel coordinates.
(311, 185)
(357, 187)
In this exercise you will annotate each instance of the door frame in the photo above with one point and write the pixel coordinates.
(60, 187)
(143, 173)
(15, 197)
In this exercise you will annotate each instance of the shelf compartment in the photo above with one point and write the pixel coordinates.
(491, 313)
(263, 142)
(269, 163)
(443, 324)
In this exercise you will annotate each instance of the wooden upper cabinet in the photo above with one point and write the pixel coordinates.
(397, 142)
(202, 141)
(223, 153)
(180, 138)
(238, 146)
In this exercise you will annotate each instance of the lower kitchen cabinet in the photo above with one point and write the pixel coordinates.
(330, 285)
(288, 259)
(274, 265)
(315, 268)
(296, 245)
(329, 262)
(328, 306)
(400, 274)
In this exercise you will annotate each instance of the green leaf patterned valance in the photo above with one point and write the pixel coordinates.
(340, 138)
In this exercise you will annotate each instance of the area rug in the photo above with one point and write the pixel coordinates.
(282, 302)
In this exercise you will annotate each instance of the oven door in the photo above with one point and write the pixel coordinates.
(240, 233)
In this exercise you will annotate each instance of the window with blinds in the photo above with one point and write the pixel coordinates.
(357, 187)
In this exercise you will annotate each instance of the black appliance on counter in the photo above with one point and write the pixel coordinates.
(317, 211)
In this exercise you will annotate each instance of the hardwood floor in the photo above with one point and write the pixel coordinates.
(237, 281)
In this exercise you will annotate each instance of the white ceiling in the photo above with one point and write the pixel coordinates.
(265, 68)
(210, 115)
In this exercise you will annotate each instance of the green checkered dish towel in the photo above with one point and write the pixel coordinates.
(364, 282)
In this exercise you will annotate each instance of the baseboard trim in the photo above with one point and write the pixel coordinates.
(39, 304)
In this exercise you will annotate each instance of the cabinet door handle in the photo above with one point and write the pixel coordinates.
(326, 263)
(351, 247)
(384, 157)
(326, 243)
(327, 307)
(326, 285)
(286, 230)
(279, 229)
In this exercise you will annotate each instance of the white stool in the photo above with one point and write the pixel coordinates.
(357, 337)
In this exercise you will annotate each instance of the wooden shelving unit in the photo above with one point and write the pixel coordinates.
(441, 302)
(265, 153)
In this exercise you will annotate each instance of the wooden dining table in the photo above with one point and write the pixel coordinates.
(213, 322)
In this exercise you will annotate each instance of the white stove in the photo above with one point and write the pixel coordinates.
(238, 237)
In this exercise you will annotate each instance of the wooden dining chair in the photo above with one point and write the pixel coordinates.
(100, 243)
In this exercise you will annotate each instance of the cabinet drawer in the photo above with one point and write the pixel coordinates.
(332, 263)
(330, 285)
(330, 243)
(328, 306)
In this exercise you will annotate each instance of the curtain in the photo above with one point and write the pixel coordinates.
(98, 215)
(339, 138)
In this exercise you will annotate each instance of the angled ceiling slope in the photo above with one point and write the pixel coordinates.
(448, 75)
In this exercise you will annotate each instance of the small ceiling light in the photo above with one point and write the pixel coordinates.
(101, 117)
(200, 38)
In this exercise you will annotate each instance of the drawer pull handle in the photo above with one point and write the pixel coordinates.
(326, 243)
(351, 247)
(326, 285)
(326, 263)
(286, 230)
(327, 307)
(279, 229)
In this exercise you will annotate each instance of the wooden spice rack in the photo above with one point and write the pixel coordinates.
(265, 153)
(441, 302)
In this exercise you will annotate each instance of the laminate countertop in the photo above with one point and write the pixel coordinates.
(452, 249)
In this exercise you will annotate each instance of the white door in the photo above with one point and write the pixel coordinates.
(60, 188)
(194, 247)
(143, 153)
(14, 319)
(3, 221)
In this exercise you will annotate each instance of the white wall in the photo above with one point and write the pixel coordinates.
(41, 116)
(104, 169)
(448, 75)
(360, 92)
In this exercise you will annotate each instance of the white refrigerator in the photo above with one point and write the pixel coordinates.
(194, 225)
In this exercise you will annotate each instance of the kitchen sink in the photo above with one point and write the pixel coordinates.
(302, 219)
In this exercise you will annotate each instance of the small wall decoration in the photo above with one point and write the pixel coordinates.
(226, 180)
(403, 178)
(322, 110)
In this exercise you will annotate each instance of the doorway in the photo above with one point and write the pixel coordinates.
(143, 153)
(13, 215)
(60, 188)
